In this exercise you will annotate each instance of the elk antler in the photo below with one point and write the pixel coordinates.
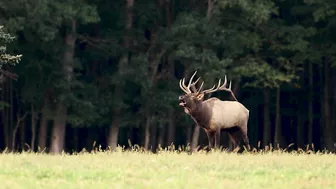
(186, 89)
(221, 88)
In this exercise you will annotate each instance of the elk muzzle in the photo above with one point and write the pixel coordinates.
(182, 101)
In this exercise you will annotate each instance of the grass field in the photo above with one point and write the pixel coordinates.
(168, 170)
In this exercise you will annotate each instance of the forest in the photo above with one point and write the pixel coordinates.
(79, 74)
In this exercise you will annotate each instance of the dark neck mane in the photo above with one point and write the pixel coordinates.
(201, 114)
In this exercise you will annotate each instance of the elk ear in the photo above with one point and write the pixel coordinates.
(200, 96)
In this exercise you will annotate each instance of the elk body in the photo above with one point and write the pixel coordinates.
(215, 115)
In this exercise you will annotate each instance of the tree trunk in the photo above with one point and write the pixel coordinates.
(75, 139)
(11, 110)
(334, 104)
(33, 126)
(310, 104)
(189, 136)
(161, 136)
(171, 128)
(153, 137)
(267, 128)
(299, 131)
(6, 110)
(23, 136)
(18, 123)
(113, 134)
(168, 13)
(43, 129)
(209, 9)
(4, 116)
(42, 138)
(277, 133)
(195, 137)
(171, 124)
(321, 104)
(147, 132)
(258, 124)
(328, 133)
(59, 128)
(114, 128)
(89, 142)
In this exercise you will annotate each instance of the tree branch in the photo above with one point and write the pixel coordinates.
(9, 74)
(19, 120)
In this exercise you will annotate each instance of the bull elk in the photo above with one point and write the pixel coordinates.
(213, 114)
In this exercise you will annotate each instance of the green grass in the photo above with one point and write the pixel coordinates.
(168, 170)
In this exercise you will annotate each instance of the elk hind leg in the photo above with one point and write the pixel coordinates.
(245, 137)
(235, 135)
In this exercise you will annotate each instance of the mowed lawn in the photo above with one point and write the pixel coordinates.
(168, 170)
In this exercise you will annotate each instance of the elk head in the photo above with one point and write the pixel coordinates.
(194, 96)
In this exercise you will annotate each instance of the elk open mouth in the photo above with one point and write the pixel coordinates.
(182, 103)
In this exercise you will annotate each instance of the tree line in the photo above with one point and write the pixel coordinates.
(107, 72)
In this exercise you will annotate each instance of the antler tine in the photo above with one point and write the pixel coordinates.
(185, 88)
(193, 85)
(192, 77)
(229, 84)
(227, 89)
(209, 90)
(182, 86)
(213, 89)
(183, 81)
(200, 88)
(221, 87)
(224, 84)
(189, 84)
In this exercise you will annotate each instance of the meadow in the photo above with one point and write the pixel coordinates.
(167, 170)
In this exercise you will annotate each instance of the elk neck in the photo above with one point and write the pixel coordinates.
(201, 114)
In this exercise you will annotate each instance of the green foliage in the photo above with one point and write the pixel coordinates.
(41, 25)
(263, 75)
(255, 12)
(240, 45)
(5, 58)
(3, 104)
(257, 44)
(45, 17)
(323, 9)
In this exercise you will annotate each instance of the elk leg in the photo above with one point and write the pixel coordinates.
(232, 138)
(234, 135)
(210, 138)
(217, 138)
(245, 138)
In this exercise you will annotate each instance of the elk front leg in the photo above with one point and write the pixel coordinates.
(210, 139)
(217, 138)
